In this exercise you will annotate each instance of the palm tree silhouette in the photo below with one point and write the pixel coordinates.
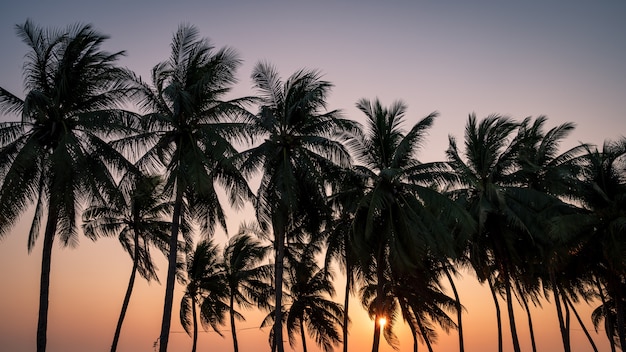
(185, 131)
(139, 224)
(307, 305)
(205, 287)
(401, 217)
(299, 149)
(246, 277)
(56, 156)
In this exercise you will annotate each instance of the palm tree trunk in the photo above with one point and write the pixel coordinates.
(346, 302)
(614, 289)
(608, 323)
(303, 335)
(171, 273)
(232, 322)
(279, 243)
(509, 304)
(459, 309)
(44, 285)
(129, 291)
(195, 324)
(530, 321)
(498, 313)
(559, 312)
(414, 336)
(580, 322)
(380, 292)
(376, 340)
(424, 334)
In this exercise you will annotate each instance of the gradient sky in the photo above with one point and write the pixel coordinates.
(563, 59)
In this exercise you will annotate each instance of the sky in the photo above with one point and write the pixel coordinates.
(562, 59)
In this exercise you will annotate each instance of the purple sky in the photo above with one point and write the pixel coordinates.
(563, 59)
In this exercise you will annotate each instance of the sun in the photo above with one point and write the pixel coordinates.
(382, 322)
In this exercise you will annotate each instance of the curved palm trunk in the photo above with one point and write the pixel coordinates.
(232, 323)
(279, 243)
(346, 302)
(614, 283)
(414, 336)
(509, 305)
(580, 322)
(424, 335)
(459, 312)
(195, 324)
(44, 285)
(303, 335)
(607, 321)
(171, 273)
(380, 278)
(498, 313)
(129, 291)
(530, 321)
(559, 312)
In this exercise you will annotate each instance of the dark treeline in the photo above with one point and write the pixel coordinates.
(531, 221)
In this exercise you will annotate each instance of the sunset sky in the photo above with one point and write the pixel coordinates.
(563, 59)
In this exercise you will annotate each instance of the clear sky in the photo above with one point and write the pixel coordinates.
(563, 59)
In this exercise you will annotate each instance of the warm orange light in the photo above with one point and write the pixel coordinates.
(382, 322)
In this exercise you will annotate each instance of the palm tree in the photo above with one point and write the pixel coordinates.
(602, 228)
(307, 307)
(139, 224)
(299, 149)
(245, 276)
(56, 157)
(543, 168)
(186, 132)
(489, 192)
(206, 287)
(400, 217)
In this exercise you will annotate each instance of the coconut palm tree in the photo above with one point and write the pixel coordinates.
(307, 306)
(139, 224)
(246, 277)
(400, 217)
(602, 228)
(489, 192)
(57, 157)
(205, 287)
(185, 131)
(300, 147)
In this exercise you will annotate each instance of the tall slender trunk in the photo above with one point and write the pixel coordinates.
(559, 312)
(129, 291)
(424, 334)
(509, 305)
(531, 330)
(279, 243)
(44, 285)
(607, 321)
(615, 291)
(376, 339)
(459, 309)
(414, 336)
(232, 321)
(580, 322)
(303, 335)
(346, 302)
(380, 293)
(195, 324)
(498, 313)
(171, 273)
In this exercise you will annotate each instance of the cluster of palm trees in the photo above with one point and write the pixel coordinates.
(533, 223)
